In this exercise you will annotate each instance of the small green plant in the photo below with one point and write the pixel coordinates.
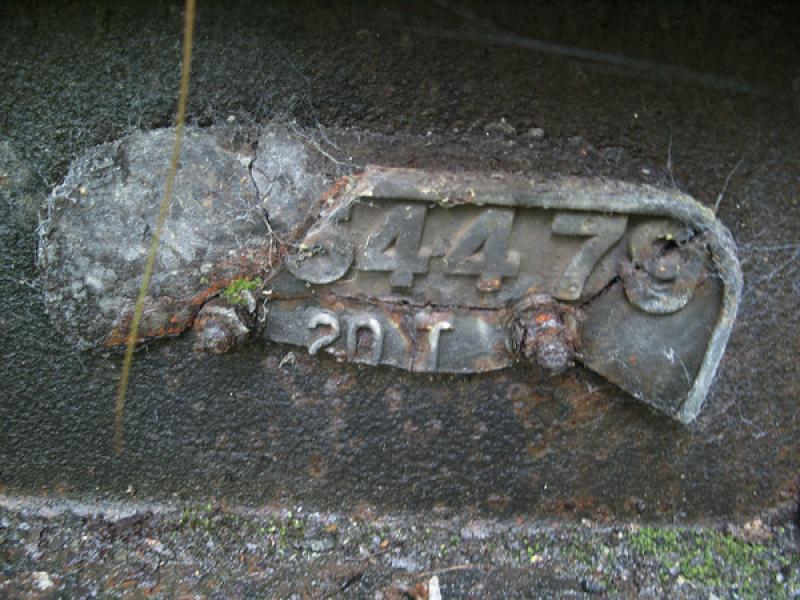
(533, 551)
(234, 293)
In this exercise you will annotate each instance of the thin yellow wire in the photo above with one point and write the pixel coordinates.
(119, 409)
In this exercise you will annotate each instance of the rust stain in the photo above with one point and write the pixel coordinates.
(538, 450)
(498, 502)
(183, 312)
(118, 337)
(317, 466)
(339, 186)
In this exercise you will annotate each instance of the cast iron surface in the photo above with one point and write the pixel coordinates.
(314, 431)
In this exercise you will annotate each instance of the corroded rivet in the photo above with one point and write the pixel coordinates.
(540, 336)
(218, 328)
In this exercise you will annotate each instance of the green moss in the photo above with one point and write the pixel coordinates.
(708, 558)
(233, 294)
(284, 532)
(198, 517)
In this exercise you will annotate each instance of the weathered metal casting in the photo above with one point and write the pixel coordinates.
(466, 273)
(419, 270)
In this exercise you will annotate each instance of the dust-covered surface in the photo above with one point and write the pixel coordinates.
(230, 206)
(99, 221)
(702, 98)
(56, 549)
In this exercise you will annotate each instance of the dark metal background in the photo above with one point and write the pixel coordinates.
(704, 98)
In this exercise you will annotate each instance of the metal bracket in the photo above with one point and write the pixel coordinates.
(463, 272)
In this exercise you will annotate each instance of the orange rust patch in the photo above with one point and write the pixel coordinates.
(211, 291)
(244, 266)
(543, 317)
(119, 336)
(337, 188)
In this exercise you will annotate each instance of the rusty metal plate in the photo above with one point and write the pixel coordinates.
(467, 273)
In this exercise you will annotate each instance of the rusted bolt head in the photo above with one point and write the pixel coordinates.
(540, 337)
(554, 355)
(213, 337)
(218, 328)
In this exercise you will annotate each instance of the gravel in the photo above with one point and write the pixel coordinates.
(214, 550)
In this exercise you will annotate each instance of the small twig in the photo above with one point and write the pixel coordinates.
(358, 574)
(354, 578)
(636, 66)
(180, 123)
(725, 186)
(669, 162)
(771, 275)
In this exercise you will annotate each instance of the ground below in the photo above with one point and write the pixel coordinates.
(63, 549)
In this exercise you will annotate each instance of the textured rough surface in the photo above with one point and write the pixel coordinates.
(100, 220)
(20, 188)
(288, 174)
(265, 423)
(130, 548)
(95, 238)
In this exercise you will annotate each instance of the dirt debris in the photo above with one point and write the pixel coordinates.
(212, 550)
